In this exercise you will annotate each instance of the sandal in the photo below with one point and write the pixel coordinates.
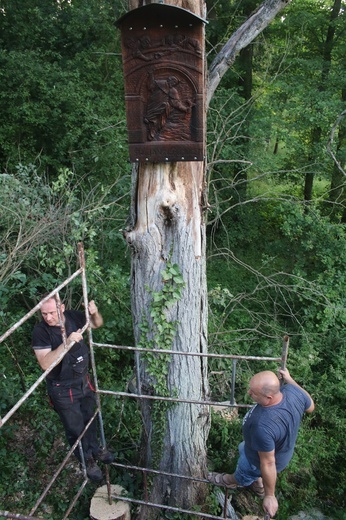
(218, 479)
(257, 488)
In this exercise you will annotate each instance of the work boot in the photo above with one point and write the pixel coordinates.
(257, 487)
(105, 456)
(93, 470)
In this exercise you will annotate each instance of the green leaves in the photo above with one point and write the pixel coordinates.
(158, 332)
(172, 273)
(62, 96)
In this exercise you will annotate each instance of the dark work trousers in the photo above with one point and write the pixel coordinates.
(74, 401)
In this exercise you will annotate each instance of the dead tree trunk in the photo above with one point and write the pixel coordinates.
(169, 225)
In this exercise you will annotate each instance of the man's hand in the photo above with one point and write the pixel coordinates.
(96, 319)
(286, 376)
(92, 308)
(270, 505)
(74, 337)
(46, 356)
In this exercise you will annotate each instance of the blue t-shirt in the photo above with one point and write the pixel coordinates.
(275, 427)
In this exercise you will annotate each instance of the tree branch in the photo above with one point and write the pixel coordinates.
(246, 33)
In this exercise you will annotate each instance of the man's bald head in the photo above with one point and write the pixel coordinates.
(265, 388)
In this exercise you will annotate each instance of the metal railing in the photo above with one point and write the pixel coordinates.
(55, 293)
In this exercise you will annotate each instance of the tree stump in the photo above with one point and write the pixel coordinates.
(101, 509)
(230, 414)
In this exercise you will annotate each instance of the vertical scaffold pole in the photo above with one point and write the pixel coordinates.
(60, 316)
(234, 368)
(92, 357)
(284, 354)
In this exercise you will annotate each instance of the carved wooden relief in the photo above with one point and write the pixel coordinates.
(163, 61)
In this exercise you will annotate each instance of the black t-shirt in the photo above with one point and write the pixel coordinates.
(75, 362)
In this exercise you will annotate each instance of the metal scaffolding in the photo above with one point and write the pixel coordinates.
(98, 414)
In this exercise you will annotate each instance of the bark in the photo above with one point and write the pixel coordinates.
(169, 224)
(308, 185)
(337, 186)
(329, 43)
(245, 90)
(338, 183)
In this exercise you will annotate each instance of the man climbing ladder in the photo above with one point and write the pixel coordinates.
(68, 384)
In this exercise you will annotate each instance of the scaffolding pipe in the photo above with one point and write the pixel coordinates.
(60, 468)
(223, 356)
(90, 338)
(74, 501)
(193, 513)
(93, 363)
(182, 353)
(139, 395)
(173, 399)
(159, 472)
(61, 321)
(234, 368)
(284, 354)
(7, 514)
(38, 306)
(19, 403)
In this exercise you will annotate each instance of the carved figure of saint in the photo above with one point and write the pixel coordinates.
(167, 115)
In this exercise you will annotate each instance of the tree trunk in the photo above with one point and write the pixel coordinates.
(316, 132)
(308, 185)
(242, 37)
(245, 90)
(338, 183)
(168, 227)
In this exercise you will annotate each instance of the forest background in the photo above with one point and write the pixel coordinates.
(276, 225)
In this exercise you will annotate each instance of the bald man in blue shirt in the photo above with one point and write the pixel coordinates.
(270, 430)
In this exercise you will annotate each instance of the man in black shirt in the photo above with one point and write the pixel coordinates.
(68, 383)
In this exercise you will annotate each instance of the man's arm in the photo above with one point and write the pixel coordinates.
(286, 376)
(268, 472)
(96, 319)
(46, 356)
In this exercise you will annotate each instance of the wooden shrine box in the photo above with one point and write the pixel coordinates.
(163, 60)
